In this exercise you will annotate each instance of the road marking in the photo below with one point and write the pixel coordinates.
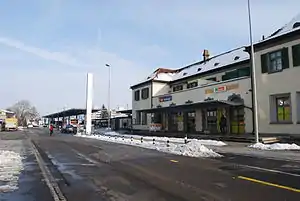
(270, 170)
(174, 161)
(50, 180)
(269, 184)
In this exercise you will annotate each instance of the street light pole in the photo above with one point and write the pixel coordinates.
(108, 98)
(254, 90)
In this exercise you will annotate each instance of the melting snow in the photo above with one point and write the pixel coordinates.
(276, 146)
(10, 168)
(193, 149)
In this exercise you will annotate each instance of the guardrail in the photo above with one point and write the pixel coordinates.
(142, 138)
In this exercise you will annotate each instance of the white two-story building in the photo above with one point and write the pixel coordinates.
(278, 80)
(192, 99)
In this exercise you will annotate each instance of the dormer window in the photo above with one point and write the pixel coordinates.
(236, 58)
(199, 69)
(216, 64)
(184, 74)
(296, 25)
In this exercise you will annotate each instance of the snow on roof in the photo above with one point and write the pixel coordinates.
(222, 60)
(293, 25)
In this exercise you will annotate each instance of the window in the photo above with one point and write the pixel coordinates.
(192, 84)
(212, 79)
(242, 72)
(298, 106)
(281, 108)
(137, 95)
(296, 55)
(275, 61)
(144, 118)
(145, 93)
(177, 88)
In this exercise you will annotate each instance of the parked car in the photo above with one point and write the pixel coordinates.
(69, 129)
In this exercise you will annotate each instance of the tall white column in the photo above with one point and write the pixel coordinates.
(89, 103)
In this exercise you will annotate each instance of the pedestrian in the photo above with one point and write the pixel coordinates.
(223, 124)
(51, 129)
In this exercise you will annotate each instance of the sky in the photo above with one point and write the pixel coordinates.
(47, 47)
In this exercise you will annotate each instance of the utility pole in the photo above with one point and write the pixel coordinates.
(254, 90)
(108, 97)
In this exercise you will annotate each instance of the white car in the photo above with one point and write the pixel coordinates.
(30, 126)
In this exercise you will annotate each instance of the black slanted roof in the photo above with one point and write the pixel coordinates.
(69, 112)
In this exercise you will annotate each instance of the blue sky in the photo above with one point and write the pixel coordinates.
(47, 47)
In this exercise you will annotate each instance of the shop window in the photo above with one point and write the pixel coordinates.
(192, 84)
(296, 55)
(145, 93)
(281, 111)
(275, 61)
(137, 95)
(298, 106)
(177, 88)
(144, 118)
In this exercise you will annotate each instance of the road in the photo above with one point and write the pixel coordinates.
(90, 170)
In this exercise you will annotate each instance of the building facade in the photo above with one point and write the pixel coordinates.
(194, 98)
(277, 60)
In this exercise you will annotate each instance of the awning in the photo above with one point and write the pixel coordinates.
(210, 103)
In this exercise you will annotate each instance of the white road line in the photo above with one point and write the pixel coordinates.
(50, 181)
(270, 170)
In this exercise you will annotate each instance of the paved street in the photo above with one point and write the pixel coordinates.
(87, 169)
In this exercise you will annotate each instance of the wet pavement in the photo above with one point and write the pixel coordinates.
(29, 181)
(89, 170)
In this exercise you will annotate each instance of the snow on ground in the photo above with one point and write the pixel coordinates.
(275, 146)
(10, 168)
(171, 139)
(192, 149)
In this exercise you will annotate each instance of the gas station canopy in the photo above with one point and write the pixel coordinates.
(68, 113)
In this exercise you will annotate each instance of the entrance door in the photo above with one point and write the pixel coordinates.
(237, 122)
(191, 122)
(212, 120)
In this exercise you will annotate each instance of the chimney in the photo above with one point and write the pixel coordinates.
(263, 37)
(205, 55)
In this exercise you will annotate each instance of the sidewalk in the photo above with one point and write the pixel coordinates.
(243, 149)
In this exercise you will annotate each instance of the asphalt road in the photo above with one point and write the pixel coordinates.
(91, 170)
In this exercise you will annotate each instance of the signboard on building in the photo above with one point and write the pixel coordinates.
(165, 98)
(219, 89)
(223, 88)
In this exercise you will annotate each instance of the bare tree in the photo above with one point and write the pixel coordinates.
(104, 112)
(24, 111)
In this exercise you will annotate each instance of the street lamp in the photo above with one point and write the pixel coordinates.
(253, 76)
(108, 98)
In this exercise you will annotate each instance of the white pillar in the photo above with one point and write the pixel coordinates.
(89, 103)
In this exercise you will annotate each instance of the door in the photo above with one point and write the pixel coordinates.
(191, 122)
(212, 120)
(237, 120)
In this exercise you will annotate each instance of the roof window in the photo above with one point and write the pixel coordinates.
(216, 64)
(148, 78)
(236, 58)
(297, 24)
(199, 69)
(184, 74)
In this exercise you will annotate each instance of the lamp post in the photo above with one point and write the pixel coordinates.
(108, 97)
(254, 91)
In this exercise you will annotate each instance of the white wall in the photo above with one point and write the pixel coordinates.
(160, 88)
(197, 94)
(286, 81)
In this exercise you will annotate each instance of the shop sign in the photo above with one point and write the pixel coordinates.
(165, 98)
(219, 89)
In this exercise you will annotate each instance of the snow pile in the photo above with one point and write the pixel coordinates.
(192, 149)
(162, 139)
(10, 168)
(275, 146)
